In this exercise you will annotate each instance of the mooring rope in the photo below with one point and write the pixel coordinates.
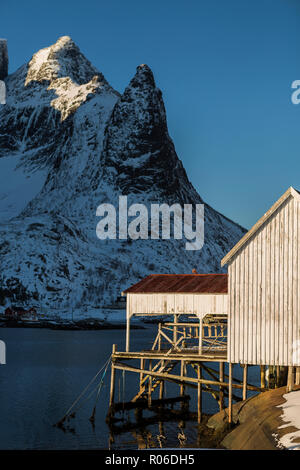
(92, 418)
(105, 366)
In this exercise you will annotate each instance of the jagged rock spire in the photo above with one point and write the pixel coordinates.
(139, 155)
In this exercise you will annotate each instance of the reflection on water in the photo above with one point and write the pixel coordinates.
(46, 370)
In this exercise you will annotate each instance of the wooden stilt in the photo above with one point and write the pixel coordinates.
(200, 335)
(127, 332)
(162, 385)
(290, 381)
(245, 374)
(199, 394)
(263, 377)
(297, 380)
(175, 329)
(230, 395)
(142, 367)
(277, 382)
(159, 337)
(182, 374)
(221, 396)
(150, 385)
(112, 378)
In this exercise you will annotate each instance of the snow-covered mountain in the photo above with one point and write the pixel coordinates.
(69, 142)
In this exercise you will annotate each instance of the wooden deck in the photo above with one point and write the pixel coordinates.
(209, 355)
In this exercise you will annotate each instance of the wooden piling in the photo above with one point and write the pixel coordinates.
(199, 403)
(159, 336)
(245, 375)
(175, 329)
(290, 380)
(112, 377)
(150, 385)
(263, 376)
(142, 367)
(182, 375)
(230, 395)
(221, 395)
(200, 336)
(297, 379)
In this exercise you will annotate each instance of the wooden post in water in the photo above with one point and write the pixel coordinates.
(182, 374)
(142, 366)
(112, 377)
(159, 337)
(297, 380)
(127, 332)
(277, 382)
(175, 329)
(199, 408)
(230, 395)
(150, 385)
(263, 377)
(221, 396)
(245, 374)
(200, 336)
(290, 381)
(162, 385)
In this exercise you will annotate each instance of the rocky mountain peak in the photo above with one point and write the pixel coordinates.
(62, 59)
(87, 145)
(143, 77)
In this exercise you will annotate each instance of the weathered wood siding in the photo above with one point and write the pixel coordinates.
(199, 304)
(264, 293)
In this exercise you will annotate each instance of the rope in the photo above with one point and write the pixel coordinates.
(92, 418)
(60, 423)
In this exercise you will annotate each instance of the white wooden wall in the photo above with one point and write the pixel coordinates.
(199, 304)
(264, 293)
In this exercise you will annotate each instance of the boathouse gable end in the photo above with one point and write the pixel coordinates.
(264, 289)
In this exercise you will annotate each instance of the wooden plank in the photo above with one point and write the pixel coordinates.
(179, 379)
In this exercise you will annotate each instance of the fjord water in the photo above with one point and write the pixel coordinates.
(45, 372)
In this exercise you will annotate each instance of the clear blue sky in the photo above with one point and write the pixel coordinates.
(225, 69)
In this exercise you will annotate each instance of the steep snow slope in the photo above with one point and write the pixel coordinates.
(64, 119)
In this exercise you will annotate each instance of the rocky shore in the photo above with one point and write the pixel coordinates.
(260, 423)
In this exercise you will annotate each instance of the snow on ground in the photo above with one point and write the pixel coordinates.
(16, 187)
(291, 416)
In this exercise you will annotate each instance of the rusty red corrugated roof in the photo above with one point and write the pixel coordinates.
(185, 283)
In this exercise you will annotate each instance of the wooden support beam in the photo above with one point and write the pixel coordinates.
(277, 383)
(141, 374)
(150, 385)
(127, 332)
(221, 395)
(291, 379)
(182, 375)
(159, 336)
(230, 395)
(263, 376)
(245, 377)
(178, 379)
(112, 378)
(175, 329)
(297, 380)
(200, 336)
(199, 407)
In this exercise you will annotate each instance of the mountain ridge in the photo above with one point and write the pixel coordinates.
(93, 146)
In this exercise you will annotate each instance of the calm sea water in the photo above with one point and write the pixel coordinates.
(46, 370)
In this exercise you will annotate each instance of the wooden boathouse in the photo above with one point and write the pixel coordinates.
(193, 334)
(264, 290)
(250, 317)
